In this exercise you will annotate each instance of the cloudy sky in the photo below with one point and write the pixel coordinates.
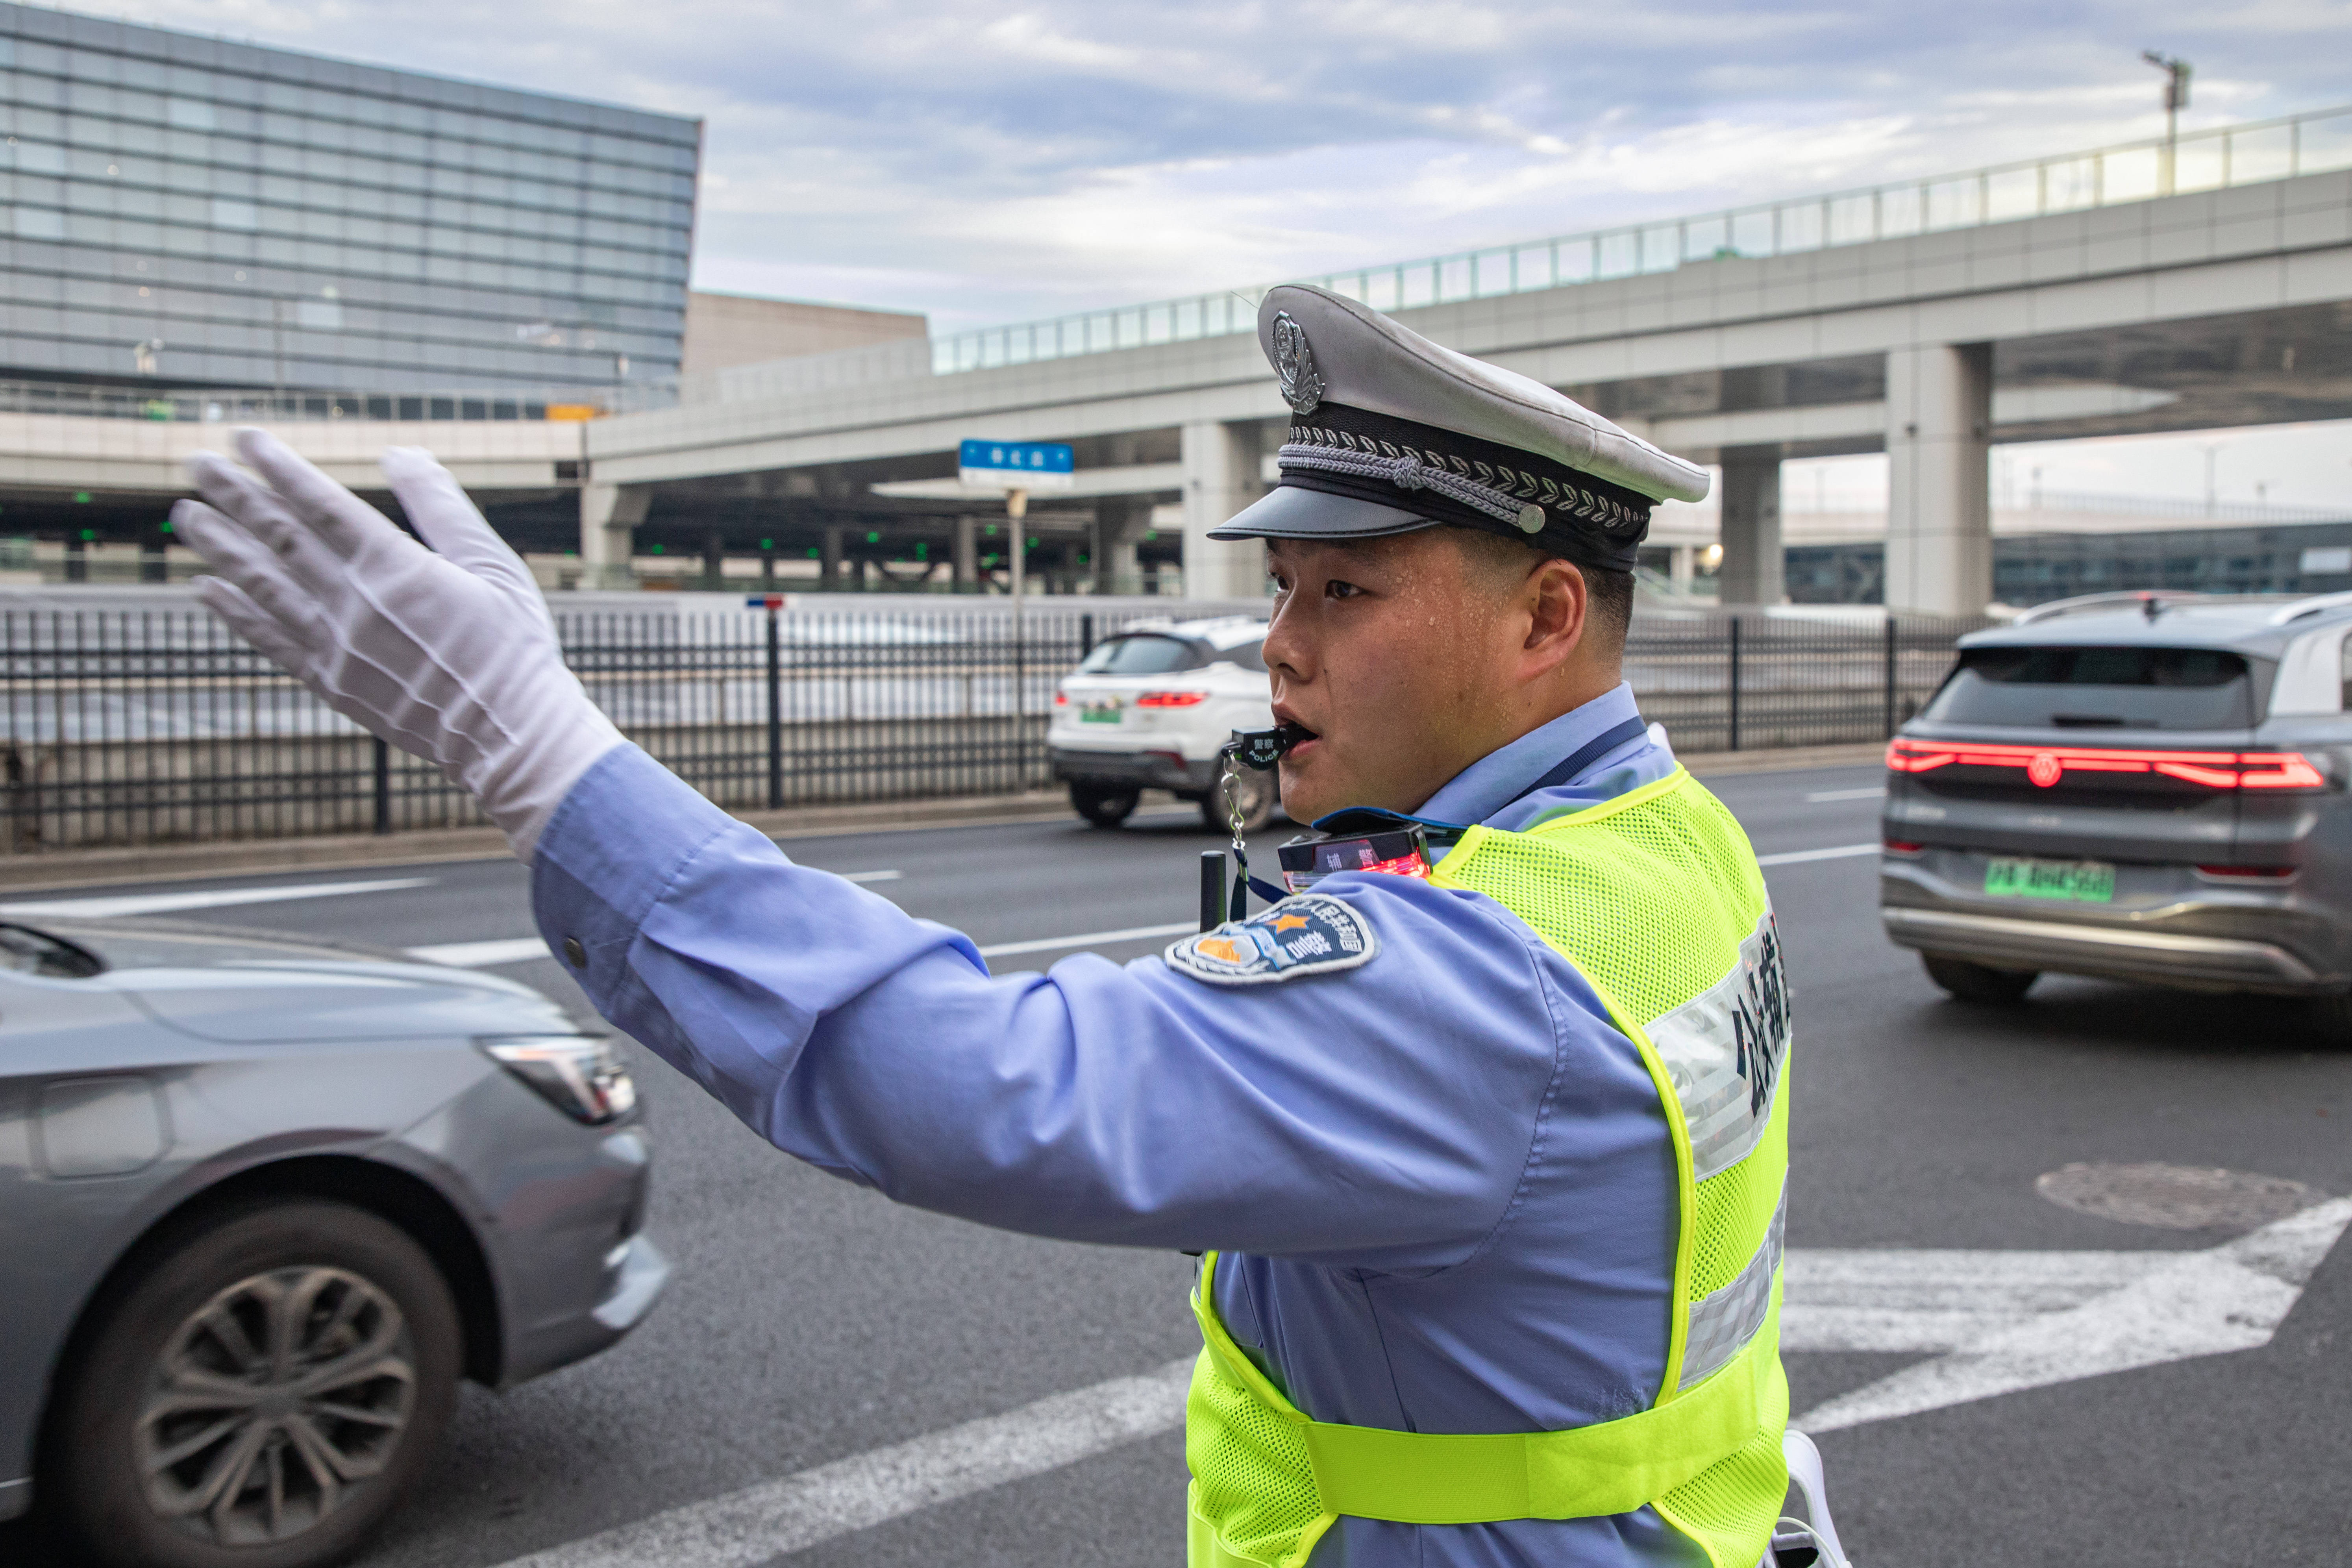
(992, 162)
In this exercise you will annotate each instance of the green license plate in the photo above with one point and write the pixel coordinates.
(2081, 881)
(1103, 713)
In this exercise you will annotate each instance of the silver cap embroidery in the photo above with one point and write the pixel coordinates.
(1294, 361)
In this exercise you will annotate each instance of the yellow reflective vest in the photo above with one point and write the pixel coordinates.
(1657, 899)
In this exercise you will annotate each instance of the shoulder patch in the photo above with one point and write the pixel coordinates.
(1311, 933)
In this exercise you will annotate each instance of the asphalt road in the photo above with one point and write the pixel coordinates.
(812, 1322)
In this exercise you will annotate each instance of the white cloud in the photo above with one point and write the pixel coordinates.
(987, 162)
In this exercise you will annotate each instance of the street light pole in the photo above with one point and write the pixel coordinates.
(1016, 511)
(2175, 98)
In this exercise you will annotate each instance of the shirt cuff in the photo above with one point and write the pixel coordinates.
(622, 836)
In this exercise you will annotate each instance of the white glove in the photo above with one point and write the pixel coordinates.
(447, 652)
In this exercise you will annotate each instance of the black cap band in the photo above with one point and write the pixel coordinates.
(1456, 478)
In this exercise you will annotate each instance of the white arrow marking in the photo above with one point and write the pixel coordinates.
(2011, 1321)
(2016, 1320)
(761, 1523)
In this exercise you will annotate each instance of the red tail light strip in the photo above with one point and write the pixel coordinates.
(2045, 765)
(1171, 699)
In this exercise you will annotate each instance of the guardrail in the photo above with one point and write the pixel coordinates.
(2130, 172)
(133, 727)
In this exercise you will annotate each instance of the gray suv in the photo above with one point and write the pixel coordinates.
(2146, 787)
(263, 1201)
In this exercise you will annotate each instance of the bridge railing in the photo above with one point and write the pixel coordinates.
(2226, 156)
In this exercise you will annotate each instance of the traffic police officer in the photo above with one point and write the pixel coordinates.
(1487, 1162)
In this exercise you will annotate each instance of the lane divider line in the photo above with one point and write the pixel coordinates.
(481, 954)
(1822, 796)
(773, 1519)
(1088, 939)
(517, 950)
(1799, 856)
(219, 897)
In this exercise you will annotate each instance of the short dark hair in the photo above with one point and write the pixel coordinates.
(1505, 562)
(1611, 594)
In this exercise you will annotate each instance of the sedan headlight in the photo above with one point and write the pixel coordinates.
(580, 1075)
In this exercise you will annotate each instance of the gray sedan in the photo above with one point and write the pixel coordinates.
(263, 1203)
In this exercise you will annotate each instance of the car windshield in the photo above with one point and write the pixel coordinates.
(2099, 687)
(1140, 653)
(29, 952)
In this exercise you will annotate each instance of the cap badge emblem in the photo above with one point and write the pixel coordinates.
(1294, 361)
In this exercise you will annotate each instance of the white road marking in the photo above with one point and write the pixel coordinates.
(165, 903)
(1797, 857)
(759, 1523)
(1088, 939)
(519, 949)
(2001, 1322)
(481, 954)
(514, 949)
(1823, 796)
(1138, 934)
(2012, 1320)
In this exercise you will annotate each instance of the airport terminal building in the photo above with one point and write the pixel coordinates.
(188, 212)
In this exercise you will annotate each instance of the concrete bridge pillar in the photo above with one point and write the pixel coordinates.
(1120, 523)
(1939, 498)
(1754, 567)
(609, 515)
(967, 553)
(1220, 477)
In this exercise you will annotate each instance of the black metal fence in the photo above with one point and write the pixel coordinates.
(127, 727)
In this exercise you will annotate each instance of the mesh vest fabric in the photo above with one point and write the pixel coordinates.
(1657, 899)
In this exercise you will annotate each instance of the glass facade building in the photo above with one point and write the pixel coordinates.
(187, 212)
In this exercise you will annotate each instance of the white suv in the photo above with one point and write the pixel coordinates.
(1149, 707)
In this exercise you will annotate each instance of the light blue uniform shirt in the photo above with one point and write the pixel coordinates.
(1442, 1180)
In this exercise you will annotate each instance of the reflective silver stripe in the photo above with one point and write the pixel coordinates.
(1723, 1050)
(1721, 1324)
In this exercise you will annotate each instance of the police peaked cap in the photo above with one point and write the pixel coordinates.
(1389, 434)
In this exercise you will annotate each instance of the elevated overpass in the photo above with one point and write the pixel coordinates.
(2132, 289)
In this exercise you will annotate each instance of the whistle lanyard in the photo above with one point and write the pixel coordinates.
(1583, 757)
(1363, 819)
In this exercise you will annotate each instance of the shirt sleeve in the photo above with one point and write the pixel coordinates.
(1382, 1116)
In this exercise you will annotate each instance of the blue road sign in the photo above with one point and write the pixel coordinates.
(1023, 465)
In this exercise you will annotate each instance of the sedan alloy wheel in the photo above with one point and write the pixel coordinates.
(270, 1400)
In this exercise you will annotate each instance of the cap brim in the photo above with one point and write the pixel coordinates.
(1293, 511)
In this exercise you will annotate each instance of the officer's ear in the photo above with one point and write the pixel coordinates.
(1559, 603)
